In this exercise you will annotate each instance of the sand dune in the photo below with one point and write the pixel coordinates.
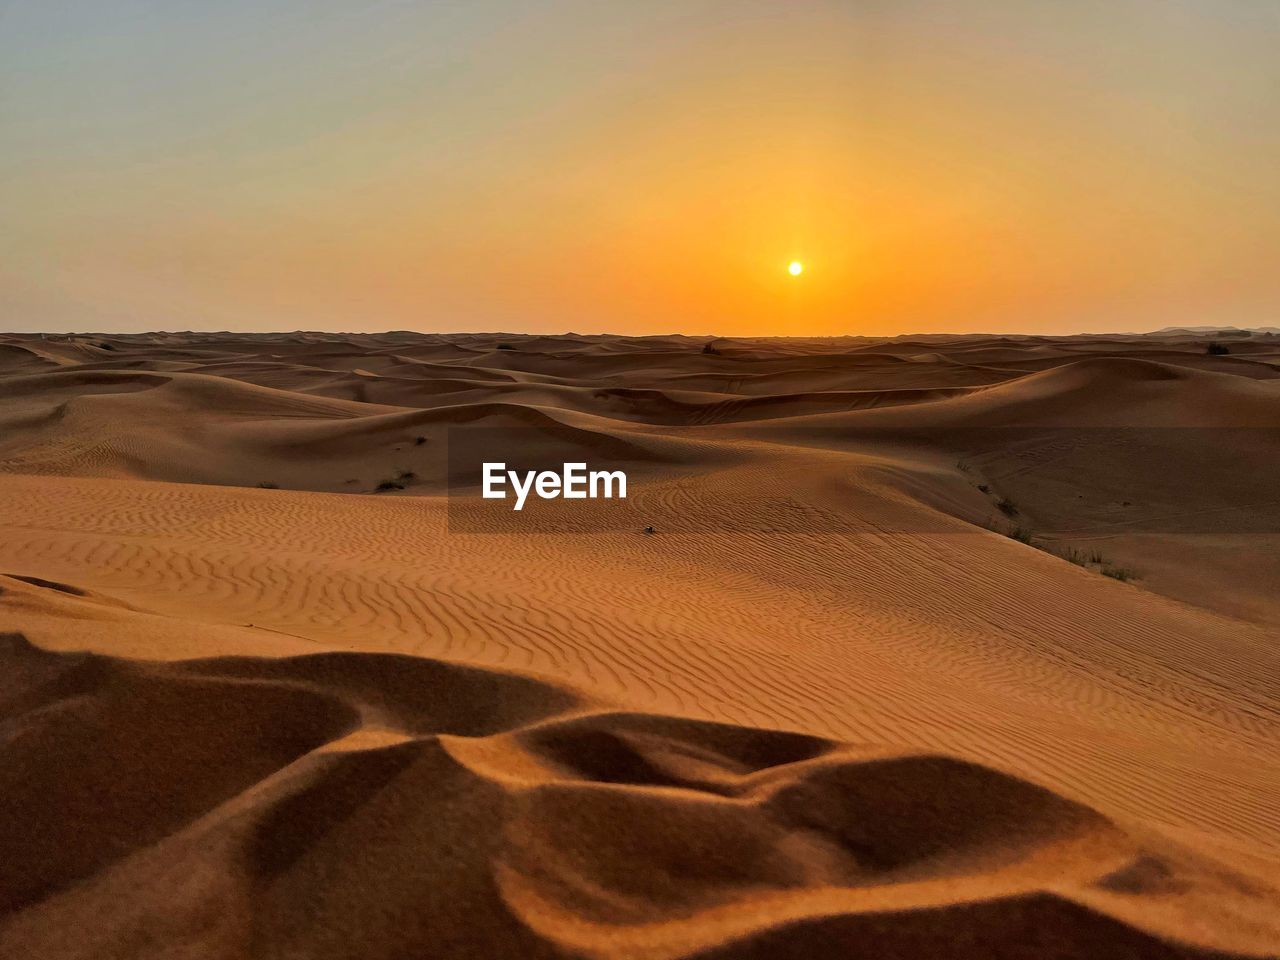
(197, 428)
(876, 688)
(347, 804)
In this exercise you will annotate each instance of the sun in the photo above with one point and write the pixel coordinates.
(795, 268)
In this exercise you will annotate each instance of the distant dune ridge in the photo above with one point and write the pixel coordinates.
(944, 647)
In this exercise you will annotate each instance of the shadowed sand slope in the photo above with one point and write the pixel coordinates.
(372, 805)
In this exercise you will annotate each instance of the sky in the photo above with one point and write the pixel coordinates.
(1032, 166)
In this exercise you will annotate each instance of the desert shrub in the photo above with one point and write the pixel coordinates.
(419, 441)
(1082, 558)
(406, 475)
(388, 485)
(1118, 573)
(709, 349)
(1216, 349)
(1021, 534)
(1007, 507)
(505, 346)
(268, 485)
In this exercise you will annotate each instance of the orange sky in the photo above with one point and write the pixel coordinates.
(1030, 166)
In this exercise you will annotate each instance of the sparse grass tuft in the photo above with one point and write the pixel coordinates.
(1007, 507)
(1123, 574)
(1093, 559)
(1090, 559)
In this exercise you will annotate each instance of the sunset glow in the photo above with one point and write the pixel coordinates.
(1029, 166)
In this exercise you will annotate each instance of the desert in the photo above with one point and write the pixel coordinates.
(917, 646)
(605, 480)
